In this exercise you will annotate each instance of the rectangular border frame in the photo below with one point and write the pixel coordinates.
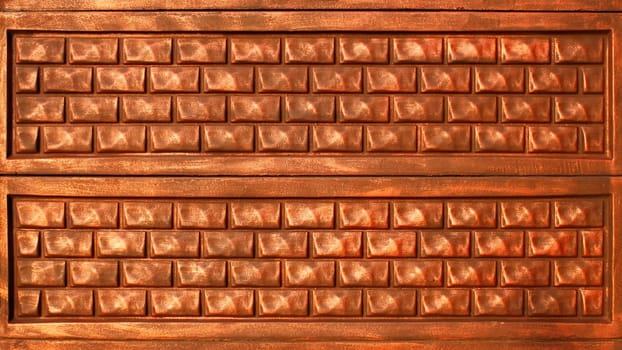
(271, 187)
(304, 22)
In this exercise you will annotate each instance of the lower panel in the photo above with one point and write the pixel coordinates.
(345, 259)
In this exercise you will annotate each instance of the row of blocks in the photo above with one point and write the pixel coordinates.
(310, 109)
(302, 138)
(316, 302)
(301, 79)
(271, 214)
(315, 273)
(311, 49)
(300, 244)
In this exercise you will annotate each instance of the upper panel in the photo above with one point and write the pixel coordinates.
(457, 101)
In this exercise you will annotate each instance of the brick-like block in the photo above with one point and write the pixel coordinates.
(552, 139)
(471, 214)
(67, 139)
(336, 244)
(579, 213)
(472, 109)
(445, 79)
(363, 50)
(26, 79)
(578, 272)
(338, 138)
(552, 243)
(552, 79)
(39, 50)
(593, 138)
(336, 302)
(579, 109)
(26, 139)
(471, 50)
(228, 79)
(40, 109)
(201, 50)
(363, 109)
(499, 138)
(93, 50)
(455, 138)
(592, 301)
(417, 214)
(499, 243)
(249, 273)
(282, 138)
(147, 215)
(418, 109)
(314, 273)
(592, 242)
(282, 79)
(593, 79)
(200, 273)
(120, 302)
(466, 273)
(525, 273)
(498, 302)
(111, 139)
(499, 79)
(67, 302)
(28, 303)
(394, 138)
(120, 79)
(366, 214)
(579, 49)
(336, 79)
(40, 273)
(40, 214)
(201, 215)
(525, 213)
(84, 273)
(67, 244)
(390, 302)
(284, 302)
(93, 214)
(147, 50)
(145, 109)
(175, 302)
(229, 138)
(417, 50)
(532, 109)
(225, 244)
(174, 79)
(390, 79)
(417, 273)
(27, 243)
(174, 244)
(525, 50)
(174, 138)
(87, 109)
(551, 302)
(229, 302)
(362, 273)
(255, 50)
(309, 214)
(445, 302)
(309, 50)
(255, 215)
(200, 108)
(390, 244)
(120, 244)
(309, 108)
(282, 244)
(255, 108)
(146, 273)
(445, 244)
